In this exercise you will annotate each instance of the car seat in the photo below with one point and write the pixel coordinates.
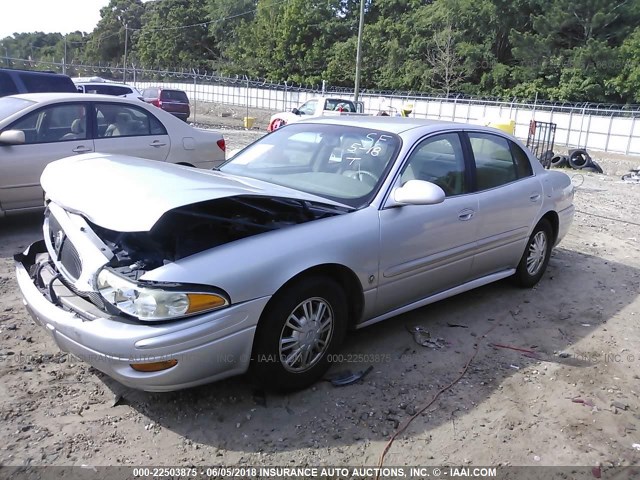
(120, 127)
(77, 130)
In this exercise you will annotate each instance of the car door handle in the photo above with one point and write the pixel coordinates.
(466, 214)
(534, 197)
(157, 143)
(82, 149)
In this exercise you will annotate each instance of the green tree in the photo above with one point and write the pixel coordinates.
(119, 20)
(570, 49)
(176, 34)
(228, 20)
(627, 82)
(287, 41)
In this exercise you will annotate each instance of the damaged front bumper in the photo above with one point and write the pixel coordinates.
(207, 347)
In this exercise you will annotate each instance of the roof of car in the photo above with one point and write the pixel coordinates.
(81, 97)
(104, 82)
(387, 123)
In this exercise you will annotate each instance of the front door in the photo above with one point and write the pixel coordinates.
(426, 249)
(51, 133)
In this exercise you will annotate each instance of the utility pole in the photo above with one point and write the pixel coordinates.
(126, 41)
(359, 51)
(64, 60)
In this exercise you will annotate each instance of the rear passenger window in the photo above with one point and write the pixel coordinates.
(122, 120)
(494, 162)
(438, 160)
(523, 165)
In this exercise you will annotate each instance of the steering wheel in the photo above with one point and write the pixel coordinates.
(361, 175)
(444, 183)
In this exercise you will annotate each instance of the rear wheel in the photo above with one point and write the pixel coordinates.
(536, 255)
(304, 324)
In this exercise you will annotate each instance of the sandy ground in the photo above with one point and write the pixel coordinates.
(577, 403)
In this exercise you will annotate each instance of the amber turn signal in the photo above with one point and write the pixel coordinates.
(200, 302)
(154, 366)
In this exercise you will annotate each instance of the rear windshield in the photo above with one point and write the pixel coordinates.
(7, 87)
(36, 83)
(150, 92)
(108, 89)
(177, 95)
(9, 106)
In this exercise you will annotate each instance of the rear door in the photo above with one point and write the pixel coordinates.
(130, 130)
(51, 133)
(509, 196)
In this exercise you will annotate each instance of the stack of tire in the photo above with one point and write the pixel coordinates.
(577, 159)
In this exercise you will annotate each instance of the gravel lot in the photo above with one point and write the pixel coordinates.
(577, 403)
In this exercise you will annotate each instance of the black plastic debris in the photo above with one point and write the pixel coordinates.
(633, 176)
(423, 337)
(347, 377)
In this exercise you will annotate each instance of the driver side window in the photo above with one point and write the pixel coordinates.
(438, 160)
(57, 123)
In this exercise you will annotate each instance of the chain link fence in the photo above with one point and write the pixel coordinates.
(609, 128)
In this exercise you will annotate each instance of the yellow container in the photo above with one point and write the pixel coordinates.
(504, 125)
(248, 122)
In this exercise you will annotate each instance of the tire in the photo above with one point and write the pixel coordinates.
(579, 159)
(536, 255)
(595, 167)
(276, 124)
(559, 161)
(274, 363)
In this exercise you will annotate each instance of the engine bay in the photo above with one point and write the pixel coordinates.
(191, 229)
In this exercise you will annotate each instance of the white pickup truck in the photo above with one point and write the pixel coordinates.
(316, 107)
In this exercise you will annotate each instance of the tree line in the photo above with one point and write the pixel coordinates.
(556, 50)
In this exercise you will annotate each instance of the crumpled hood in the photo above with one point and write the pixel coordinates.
(130, 194)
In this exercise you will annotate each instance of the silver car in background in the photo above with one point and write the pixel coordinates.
(176, 277)
(36, 129)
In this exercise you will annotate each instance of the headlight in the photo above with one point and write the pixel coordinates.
(154, 303)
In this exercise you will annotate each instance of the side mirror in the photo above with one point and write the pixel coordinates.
(418, 192)
(12, 137)
(295, 111)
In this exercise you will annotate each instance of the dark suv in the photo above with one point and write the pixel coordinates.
(14, 81)
(174, 102)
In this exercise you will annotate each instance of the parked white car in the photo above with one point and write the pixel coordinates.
(316, 107)
(36, 129)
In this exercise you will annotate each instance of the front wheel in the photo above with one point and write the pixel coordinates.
(536, 255)
(301, 328)
(276, 124)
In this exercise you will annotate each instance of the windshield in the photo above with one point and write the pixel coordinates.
(9, 106)
(342, 163)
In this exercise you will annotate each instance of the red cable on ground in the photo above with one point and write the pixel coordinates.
(404, 426)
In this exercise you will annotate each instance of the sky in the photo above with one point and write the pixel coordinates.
(49, 16)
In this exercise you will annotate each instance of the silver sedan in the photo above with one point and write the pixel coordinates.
(36, 129)
(175, 277)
